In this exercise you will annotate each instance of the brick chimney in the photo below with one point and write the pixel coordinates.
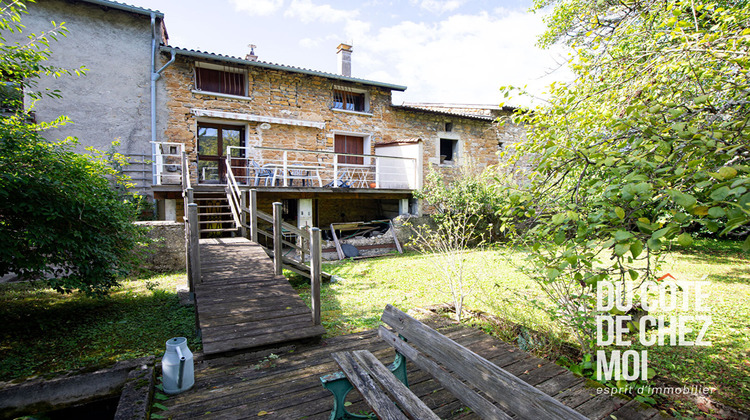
(345, 59)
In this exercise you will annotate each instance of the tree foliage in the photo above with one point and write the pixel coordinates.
(60, 218)
(649, 141)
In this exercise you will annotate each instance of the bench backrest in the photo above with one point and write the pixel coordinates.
(510, 392)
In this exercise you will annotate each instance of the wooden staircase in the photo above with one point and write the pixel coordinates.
(214, 215)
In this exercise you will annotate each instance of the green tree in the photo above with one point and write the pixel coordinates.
(649, 141)
(60, 218)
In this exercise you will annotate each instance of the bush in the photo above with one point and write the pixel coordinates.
(59, 216)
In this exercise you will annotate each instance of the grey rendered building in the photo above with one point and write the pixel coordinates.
(118, 98)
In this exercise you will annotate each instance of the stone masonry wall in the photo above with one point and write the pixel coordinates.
(167, 249)
(283, 94)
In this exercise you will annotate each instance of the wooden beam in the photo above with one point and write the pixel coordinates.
(339, 251)
(395, 238)
(254, 216)
(316, 262)
(277, 209)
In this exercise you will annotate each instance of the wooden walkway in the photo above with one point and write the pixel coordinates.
(241, 304)
(288, 387)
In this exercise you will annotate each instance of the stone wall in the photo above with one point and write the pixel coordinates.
(285, 94)
(166, 252)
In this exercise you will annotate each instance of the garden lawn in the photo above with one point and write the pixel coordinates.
(43, 331)
(356, 302)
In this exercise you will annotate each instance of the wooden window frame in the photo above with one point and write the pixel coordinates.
(340, 145)
(350, 100)
(220, 158)
(227, 83)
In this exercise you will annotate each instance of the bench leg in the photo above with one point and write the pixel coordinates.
(340, 387)
(398, 367)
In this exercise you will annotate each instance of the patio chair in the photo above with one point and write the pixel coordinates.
(342, 182)
(262, 172)
(301, 174)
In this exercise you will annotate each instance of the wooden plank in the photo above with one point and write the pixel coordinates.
(634, 410)
(277, 261)
(395, 238)
(336, 242)
(316, 263)
(248, 328)
(263, 340)
(600, 406)
(507, 390)
(400, 393)
(265, 216)
(475, 401)
(374, 396)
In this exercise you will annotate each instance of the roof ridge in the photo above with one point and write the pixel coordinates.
(125, 7)
(266, 64)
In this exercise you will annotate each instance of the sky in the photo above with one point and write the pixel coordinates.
(446, 51)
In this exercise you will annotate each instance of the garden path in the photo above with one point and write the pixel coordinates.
(241, 304)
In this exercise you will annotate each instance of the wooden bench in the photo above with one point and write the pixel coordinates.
(481, 385)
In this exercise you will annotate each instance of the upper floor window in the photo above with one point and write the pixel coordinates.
(220, 81)
(448, 151)
(350, 101)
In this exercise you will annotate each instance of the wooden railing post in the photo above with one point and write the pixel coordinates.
(377, 172)
(277, 209)
(195, 256)
(315, 270)
(335, 171)
(188, 254)
(254, 216)
(243, 215)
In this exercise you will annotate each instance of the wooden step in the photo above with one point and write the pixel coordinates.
(273, 336)
(218, 230)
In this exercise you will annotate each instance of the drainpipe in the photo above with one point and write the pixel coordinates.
(155, 75)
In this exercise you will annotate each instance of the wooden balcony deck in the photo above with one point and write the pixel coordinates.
(288, 387)
(241, 304)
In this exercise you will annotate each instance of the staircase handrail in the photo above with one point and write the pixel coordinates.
(233, 194)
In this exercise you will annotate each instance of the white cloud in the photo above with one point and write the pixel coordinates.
(309, 43)
(462, 58)
(439, 6)
(306, 11)
(257, 7)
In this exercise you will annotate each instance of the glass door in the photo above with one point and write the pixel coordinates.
(213, 140)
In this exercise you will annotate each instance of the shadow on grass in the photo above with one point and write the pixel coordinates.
(43, 331)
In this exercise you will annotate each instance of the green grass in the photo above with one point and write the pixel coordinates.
(43, 332)
(409, 280)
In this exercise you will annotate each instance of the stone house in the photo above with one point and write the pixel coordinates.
(331, 147)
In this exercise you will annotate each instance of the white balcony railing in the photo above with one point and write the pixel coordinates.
(167, 163)
(279, 167)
